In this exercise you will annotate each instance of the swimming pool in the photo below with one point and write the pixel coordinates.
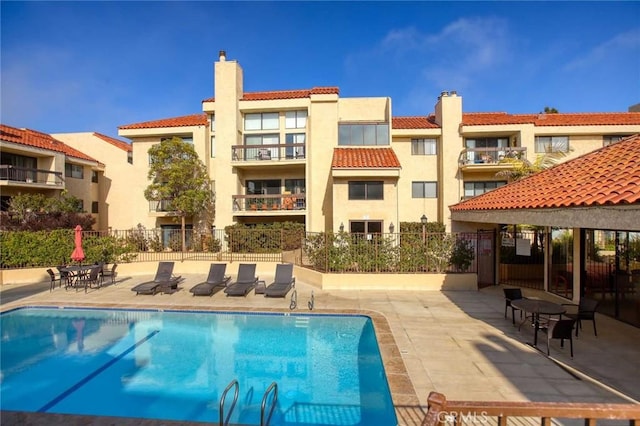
(175, 365)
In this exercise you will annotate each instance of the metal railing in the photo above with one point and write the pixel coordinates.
(233, 384)
(269, 202)
(273, 388)
(268, 152)
(491, 155)
(431, 252)
(29, 175)
(326, 252)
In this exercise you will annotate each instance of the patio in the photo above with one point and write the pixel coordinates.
(457, 342)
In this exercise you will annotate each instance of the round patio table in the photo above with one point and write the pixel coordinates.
(537, 307)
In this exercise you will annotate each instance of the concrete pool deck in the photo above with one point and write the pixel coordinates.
(454, 342)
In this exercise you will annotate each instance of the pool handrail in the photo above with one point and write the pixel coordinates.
(273, 386)
(223, 398)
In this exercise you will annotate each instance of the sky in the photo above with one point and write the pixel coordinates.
(91, 66)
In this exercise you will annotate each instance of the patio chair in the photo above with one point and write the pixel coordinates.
(94, 277)
(216, 280)
(509, 295)
(283, 281)
(54, 278)
(560, 329)
(245, 282)
(64, 276)
(106, 272)
(164, 281)
(586, 311)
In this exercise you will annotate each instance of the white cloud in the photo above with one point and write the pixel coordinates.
(460, 54)
(623, 44)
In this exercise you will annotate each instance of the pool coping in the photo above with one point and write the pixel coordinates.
(403, 395)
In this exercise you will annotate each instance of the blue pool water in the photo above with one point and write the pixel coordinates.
(175, 365)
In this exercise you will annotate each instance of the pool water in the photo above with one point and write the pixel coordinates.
(175, 365)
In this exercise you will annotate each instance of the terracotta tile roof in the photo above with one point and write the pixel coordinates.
(560, 119)
(40, 140)
(183, 121)
(115, 142)
(285, 94)
(607, 176)
(364, 158)
(428, 122)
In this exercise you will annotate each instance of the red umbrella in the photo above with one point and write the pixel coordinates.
(78, 253)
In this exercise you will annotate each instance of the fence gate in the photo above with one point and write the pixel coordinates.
(486, 258)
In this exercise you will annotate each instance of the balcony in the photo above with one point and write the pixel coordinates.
(27, 177)
(161, 208)
(268, 155)
(490, 159)
(269, 204)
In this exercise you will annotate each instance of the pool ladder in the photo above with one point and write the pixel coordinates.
(273, 388)
(234, 384)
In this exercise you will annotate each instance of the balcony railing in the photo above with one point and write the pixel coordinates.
(162, 206)
(271, 152)
(28, 175)
(269, 202)
(493, 155)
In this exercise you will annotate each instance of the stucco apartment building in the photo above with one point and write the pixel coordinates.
(332, 163)
(35, 162)
(313, 157)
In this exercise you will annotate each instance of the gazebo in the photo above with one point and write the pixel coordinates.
(596, 198)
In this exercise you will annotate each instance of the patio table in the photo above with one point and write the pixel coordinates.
(537, 307)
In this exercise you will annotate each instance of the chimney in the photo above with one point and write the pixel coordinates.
(223, 56)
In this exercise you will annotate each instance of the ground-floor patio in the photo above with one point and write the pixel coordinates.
(454, 342)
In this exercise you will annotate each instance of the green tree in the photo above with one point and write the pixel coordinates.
(38, 212)
(179, 179)
(550, 110)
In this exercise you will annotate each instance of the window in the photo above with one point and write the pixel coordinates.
(365, 190)
(267, 186)
(94, 207)
(94, 176)
(363, 134)
(424, 189)
(294, 186)
(423, 147)
(186, 139)
(261, 121)
(251, 153)
(130, 157)
(365, 226)
(213, 123)
(552, 143)
(295, 151)
(213, 147)
(608, 140)
(295, 119)
(73, 171)
(471, 189)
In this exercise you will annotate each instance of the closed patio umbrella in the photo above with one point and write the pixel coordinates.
(78, 253)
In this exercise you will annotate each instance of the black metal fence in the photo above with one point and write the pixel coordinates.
(327, 252)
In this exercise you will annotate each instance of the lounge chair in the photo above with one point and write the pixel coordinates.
(283, 282)
(164, 281)
(215, 281)
(245, 282)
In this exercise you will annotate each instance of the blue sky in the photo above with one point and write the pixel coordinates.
(93, 66)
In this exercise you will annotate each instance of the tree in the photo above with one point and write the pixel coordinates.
(34, 212)
(179, 179)
(550, 110)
